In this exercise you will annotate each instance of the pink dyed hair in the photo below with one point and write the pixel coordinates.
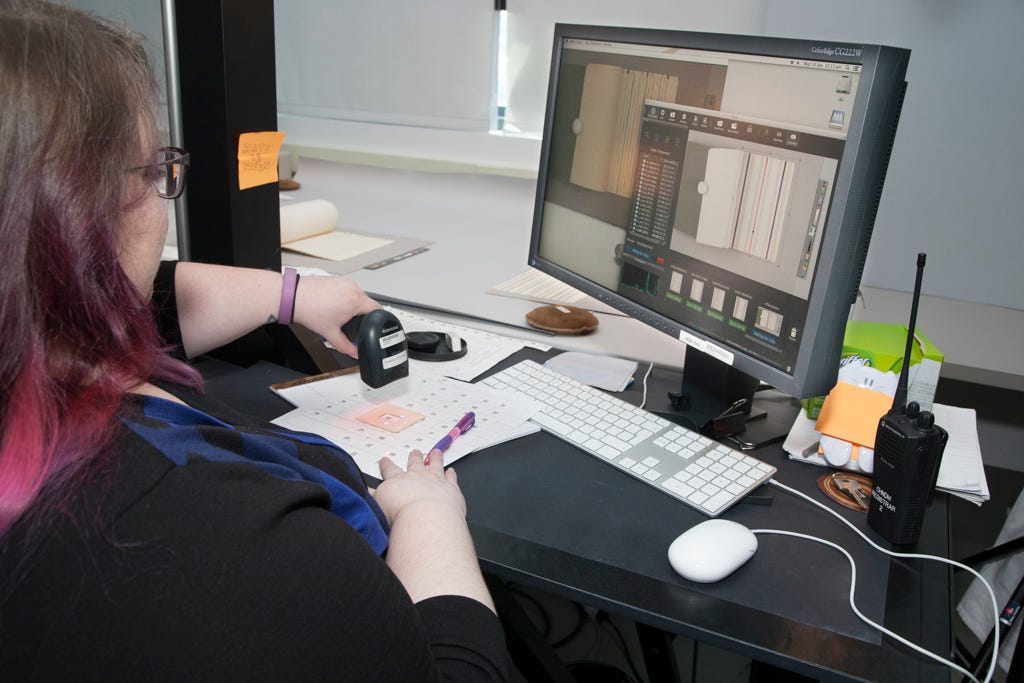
(76, 97)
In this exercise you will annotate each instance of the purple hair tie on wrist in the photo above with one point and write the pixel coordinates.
(291, 283)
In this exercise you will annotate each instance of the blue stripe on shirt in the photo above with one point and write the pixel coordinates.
(182, 433)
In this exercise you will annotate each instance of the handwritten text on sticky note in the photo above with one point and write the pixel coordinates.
(257, 158)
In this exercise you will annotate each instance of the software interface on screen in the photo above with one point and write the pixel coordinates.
(697, 183)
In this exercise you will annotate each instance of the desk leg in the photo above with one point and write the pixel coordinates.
(536, 660)
(659, 657)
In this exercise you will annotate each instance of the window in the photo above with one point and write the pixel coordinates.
(530, 31)
(428, 64)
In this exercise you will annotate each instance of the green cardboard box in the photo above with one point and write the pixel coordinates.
(881, 346)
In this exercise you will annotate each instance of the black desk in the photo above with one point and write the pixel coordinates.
(546, 515)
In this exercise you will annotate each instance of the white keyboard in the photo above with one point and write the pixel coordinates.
(687, 466)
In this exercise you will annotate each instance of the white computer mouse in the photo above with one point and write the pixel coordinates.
(711, 550)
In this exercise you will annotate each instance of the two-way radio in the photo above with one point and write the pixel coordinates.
(908, 449)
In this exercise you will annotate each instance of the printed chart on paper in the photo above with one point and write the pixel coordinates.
(333, 408)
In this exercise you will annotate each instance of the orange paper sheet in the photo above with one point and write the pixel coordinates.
(257, 158)
(851, 413)
(391, 418)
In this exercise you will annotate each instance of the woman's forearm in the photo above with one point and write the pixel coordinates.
(218, 304)
(431, 553)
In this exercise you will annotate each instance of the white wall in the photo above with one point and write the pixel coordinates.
(954, 188)
(954, 185)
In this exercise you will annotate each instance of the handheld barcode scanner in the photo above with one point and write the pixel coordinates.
(383, 348)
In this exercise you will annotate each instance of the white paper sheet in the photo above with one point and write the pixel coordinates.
(534, 285)
(961, 471)
(330, 408)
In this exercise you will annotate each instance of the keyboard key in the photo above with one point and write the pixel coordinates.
(710, 489)
(716, 502)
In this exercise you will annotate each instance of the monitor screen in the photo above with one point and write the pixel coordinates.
(721, 189)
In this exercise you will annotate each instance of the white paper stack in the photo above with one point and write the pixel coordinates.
(962, 472)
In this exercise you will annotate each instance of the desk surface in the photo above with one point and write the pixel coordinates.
(546, 515)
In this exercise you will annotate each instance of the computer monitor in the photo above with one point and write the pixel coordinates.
(721, 189)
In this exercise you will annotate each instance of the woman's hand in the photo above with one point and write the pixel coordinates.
(324, 304)
(419, 485)
(430, 549)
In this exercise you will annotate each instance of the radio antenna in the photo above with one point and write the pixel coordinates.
(899, 401)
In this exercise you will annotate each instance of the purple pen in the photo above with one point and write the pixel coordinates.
(461, 427)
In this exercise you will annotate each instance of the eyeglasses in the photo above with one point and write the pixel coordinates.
(168, 172)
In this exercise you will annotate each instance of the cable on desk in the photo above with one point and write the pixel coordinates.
(643, 399)
(853, 581)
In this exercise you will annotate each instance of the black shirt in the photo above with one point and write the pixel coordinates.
(201, 566)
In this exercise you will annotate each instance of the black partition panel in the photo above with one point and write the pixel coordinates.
(228, 87)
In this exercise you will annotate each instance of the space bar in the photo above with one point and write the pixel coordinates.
(551, 424)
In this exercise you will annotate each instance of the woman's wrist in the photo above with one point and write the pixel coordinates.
(437, 510)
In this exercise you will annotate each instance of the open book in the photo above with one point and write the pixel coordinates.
(309, 228)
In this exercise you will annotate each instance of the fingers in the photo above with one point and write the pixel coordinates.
(416, 460)
(432, 462)
(341, 343)
(387, 467)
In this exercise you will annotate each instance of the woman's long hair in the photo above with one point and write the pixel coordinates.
(76, 97)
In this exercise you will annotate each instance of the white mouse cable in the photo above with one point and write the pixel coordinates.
(643, 400)
(853, 606)
(853, 580)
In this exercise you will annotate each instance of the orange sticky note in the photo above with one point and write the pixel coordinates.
(851, 413)
(257, 158)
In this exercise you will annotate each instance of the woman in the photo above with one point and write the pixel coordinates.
(146, 532)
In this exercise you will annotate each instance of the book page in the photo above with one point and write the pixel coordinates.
(306, 219)
(336, 245)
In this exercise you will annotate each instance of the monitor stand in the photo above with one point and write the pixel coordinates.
(717, 400)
